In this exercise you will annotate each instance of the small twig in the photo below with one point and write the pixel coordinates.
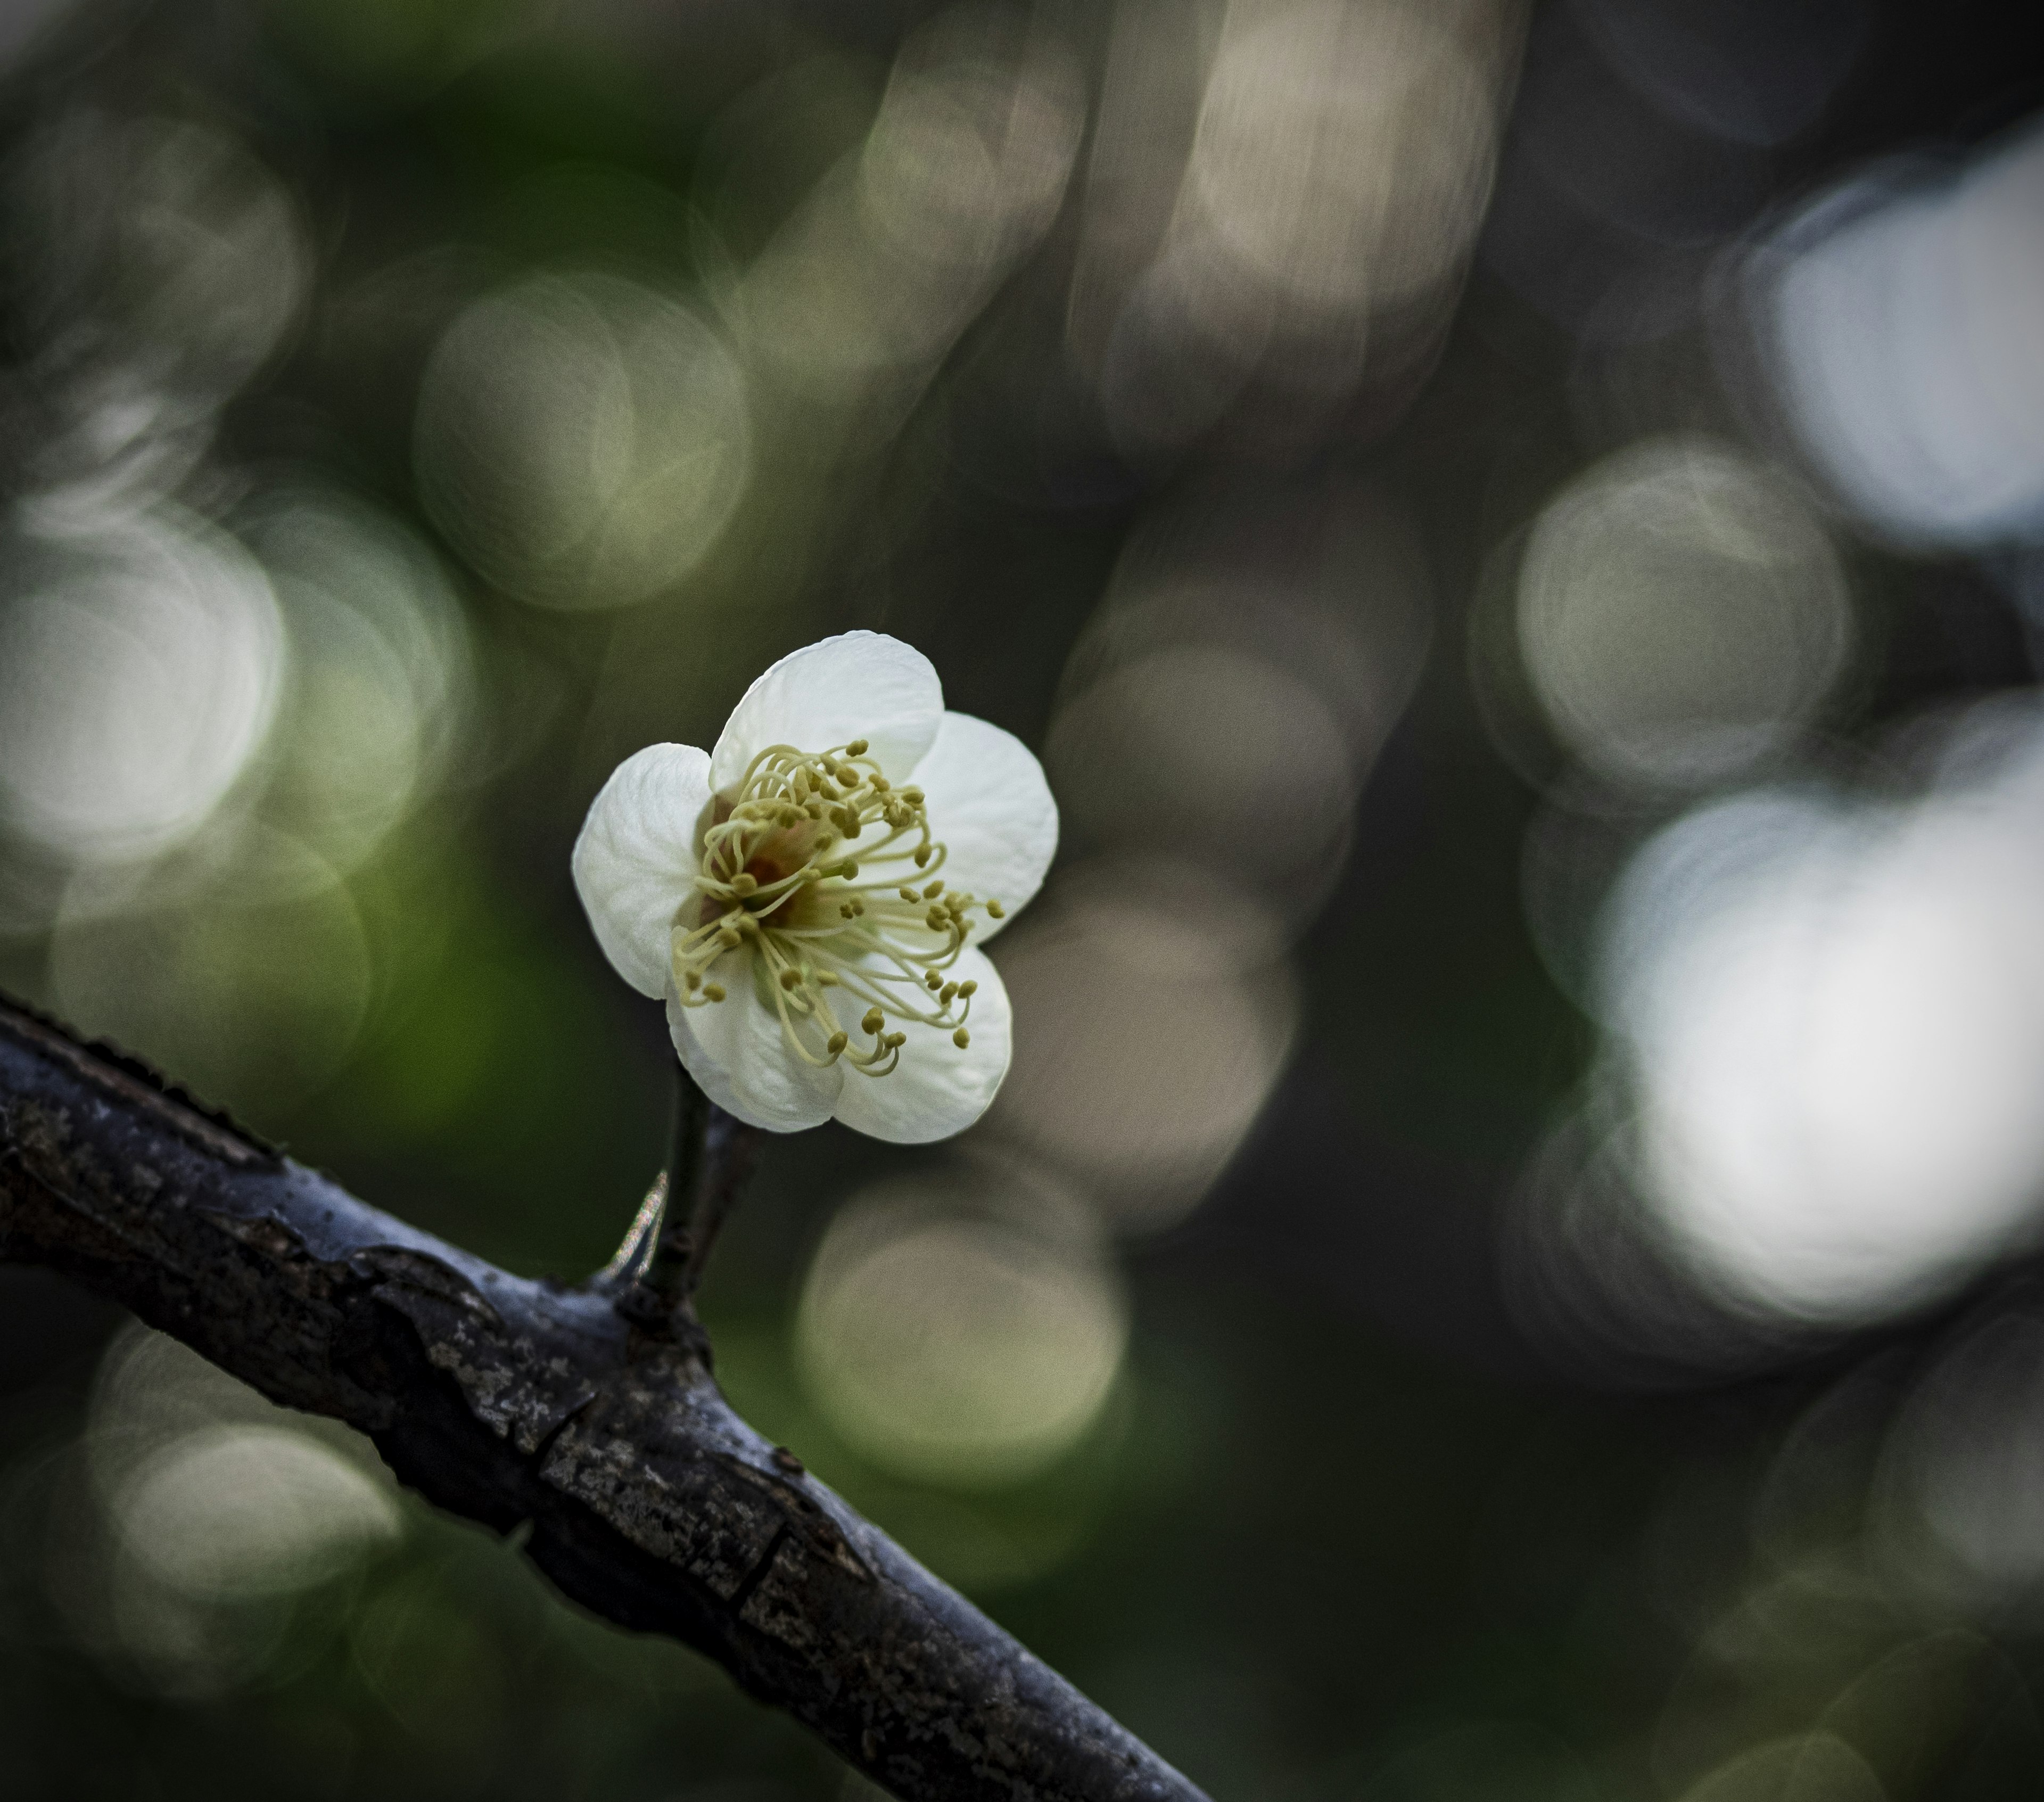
(628, 1263)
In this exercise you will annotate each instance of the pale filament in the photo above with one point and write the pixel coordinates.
(815, 918)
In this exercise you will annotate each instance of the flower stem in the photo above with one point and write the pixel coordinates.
(710, 1157)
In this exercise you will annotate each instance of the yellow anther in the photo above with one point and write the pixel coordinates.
(997, 910)
(825, 800)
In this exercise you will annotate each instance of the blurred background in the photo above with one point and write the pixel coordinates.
(1506, 1266)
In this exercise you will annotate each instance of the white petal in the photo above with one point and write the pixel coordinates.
(635, 862)
(735, 1050)
(861, 685)
(936, 1090)
(991, 805)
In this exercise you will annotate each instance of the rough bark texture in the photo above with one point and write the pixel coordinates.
(510, 1402)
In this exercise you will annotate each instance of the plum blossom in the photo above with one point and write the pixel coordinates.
(809, 897)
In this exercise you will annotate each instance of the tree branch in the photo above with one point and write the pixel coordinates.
(649, 1502)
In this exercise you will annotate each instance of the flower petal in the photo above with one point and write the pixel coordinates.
(936, 1090)
(735, 1051)
(635, 862)
(989, 804)
(859, 685)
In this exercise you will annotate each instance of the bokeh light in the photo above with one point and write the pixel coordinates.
(583, 439)
(1343, 152)
(1833, 1014)
(1283, 219)
(239, 1511)
(140, 668)
(1681, 613)
(201, 1512)
(1252, 655)
(886, 262)
(380, 679)
(949, 1342)
(1153, 1015)
(1963, 1473)
(179, 265)
(1896, 319)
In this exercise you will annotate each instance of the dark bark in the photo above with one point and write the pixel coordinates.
(520, 1404)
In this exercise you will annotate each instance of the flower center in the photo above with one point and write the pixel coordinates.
(823, 925)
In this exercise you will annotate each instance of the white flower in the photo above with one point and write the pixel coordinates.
(802, 895)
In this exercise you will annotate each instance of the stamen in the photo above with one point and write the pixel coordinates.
(774, 880)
